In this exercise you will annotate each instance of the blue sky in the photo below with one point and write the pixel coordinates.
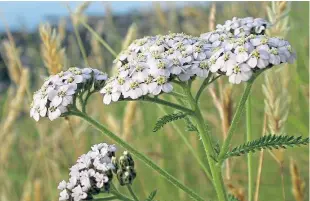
(32, 13)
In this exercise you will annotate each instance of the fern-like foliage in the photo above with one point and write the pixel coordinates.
(268, 142)
(232, 198)
(168, 118)
(190, 126)
(151, 196)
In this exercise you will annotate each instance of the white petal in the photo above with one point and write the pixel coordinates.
(56, 101)
(115, 96)
(167, 87)
(157, 90)
(107, 99)
(252, 62)
(67, 100)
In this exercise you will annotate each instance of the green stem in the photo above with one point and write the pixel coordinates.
(78, 38)
(176, 94)
(187, 143)
(107, 198)
(208, 147)
(163, 102)
(249, 138)
(121, 196)
(235, 120)
(132, 193)
(136, 153)
(105, 44)
(89, 93)
(203, 86)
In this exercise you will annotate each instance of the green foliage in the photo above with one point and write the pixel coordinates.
(268, 142)
(190, 126)
(168, 118)
(232, 198)
(151, 196)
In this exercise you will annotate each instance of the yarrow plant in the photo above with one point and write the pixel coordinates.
(61, 90)
(91, 173)
(151, 67)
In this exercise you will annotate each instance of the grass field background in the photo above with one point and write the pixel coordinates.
(34, 157)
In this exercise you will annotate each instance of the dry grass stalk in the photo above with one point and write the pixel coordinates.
(37, 190)
(140, 119)
(212, 17)
(298, 185)
(195, 20)
(52, 53)
(223, 103)
(62, 24)
(96, 58)
(16, 104)
(79, 13)
(161, 17)
(27, 195)
(14, 52)
(12, 61)
(276, 107)
(237, 192)
(260, 163)
(129, 119)
(113, 124)
(275, 88)
(278, 16)
(5, 149)
(130, 36)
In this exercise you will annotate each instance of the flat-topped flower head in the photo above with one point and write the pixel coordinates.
(248, 54)
(153, 62)
(91, 174)
(59, 91)
(244, 26)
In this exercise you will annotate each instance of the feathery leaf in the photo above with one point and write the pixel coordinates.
(232, 198)
(190, 126)
(151, 196)
(268, 142)
(168, 118)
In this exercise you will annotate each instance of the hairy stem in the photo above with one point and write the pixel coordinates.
(132, 193)
(89, 93)
(165, 103)
(203, 86)
(107, 198)
(187, 143)
(208, 146)
(235, 121)
(137, 154)
(249, 155)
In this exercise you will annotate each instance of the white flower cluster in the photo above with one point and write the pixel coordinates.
(59, 91)
(91, 174)
(240, 47)
(239, 57)
(149, 64)
(237, 27)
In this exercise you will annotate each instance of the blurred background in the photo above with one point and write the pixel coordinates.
(41, 38)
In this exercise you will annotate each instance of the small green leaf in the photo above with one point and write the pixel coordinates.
(168, 118)
(190, 126)
(151, 196)
(232, 198)
(268, 142)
